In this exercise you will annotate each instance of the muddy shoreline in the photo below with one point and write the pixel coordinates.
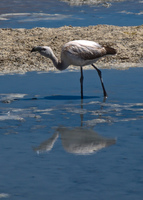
(16, 44)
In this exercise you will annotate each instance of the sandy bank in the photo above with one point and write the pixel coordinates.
(15, 46)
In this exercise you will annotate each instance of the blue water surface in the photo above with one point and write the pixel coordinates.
(54, 13)
(54, 146)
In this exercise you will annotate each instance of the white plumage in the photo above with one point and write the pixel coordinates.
(78, 53)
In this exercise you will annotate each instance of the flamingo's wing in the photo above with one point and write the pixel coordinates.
(85, 52)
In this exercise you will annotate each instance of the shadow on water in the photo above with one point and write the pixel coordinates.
(78, 140)
(52, 97)
(68, 97)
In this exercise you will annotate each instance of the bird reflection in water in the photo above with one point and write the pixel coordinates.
(79, 140)
(76, 140)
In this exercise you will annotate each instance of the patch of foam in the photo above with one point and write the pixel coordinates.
(131, 13)
(33, 16)
(45, 17)
(112, 113)
(9, 116)
(4, 195)
(8, 98)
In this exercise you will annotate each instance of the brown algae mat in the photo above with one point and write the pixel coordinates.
(16, 45)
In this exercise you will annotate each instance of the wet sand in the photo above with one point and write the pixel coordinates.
(16, 44)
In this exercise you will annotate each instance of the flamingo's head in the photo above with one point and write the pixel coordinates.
(43, 50)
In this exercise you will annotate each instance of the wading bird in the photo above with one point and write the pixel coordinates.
(78, 53)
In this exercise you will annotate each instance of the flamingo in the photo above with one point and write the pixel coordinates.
(78, 53)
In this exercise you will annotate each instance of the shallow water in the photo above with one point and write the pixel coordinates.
(53, 145)
(54, 13)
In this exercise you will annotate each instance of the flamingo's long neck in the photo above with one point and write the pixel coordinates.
(59, 65)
